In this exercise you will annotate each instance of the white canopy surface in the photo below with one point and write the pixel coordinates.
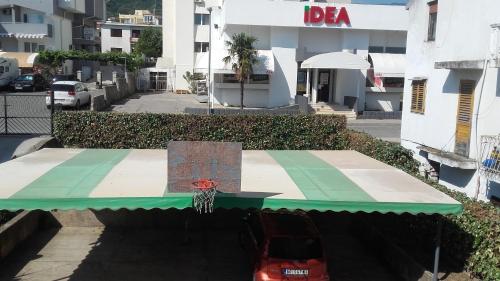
(389, 65)
(336, 60)
(24, 59)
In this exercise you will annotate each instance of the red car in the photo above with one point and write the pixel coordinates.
(284, 246)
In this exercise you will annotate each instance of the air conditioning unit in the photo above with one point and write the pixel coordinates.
(199, 1)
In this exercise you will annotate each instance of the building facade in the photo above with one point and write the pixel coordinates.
(139, 17)
(86, 32)
(288, 42)
(452, 92)
(33, 26)
(121, 37)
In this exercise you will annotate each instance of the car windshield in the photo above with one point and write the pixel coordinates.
(295, 248)
(25, 78)
(62, 88)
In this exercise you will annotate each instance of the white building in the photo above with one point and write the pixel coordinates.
(342, 34)
(121, 37)
(33, 26)
(452, 94)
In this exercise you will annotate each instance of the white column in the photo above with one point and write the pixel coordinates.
(315, 86)
(308, 84)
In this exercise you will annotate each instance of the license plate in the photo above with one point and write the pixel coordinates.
(295, 272)
(19, 87)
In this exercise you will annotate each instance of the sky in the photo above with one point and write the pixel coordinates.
(380, 1)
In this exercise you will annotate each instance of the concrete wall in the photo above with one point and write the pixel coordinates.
(455, 18)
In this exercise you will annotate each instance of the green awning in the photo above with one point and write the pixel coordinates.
(78, 179)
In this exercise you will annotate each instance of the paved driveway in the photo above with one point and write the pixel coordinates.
(154, 102)
(388, 130)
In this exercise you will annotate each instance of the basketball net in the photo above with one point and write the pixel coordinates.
(204, 191)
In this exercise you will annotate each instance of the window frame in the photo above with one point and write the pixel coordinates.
(418, 94)
(432, 21)
(114, 35)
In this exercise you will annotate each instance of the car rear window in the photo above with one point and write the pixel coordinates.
(295, 248)
(62, 88)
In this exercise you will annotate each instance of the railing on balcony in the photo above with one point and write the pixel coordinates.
(24, 28)
(490, 157)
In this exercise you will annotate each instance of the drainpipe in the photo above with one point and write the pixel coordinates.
(478, 141)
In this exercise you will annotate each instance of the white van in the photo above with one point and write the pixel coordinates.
(9, 70)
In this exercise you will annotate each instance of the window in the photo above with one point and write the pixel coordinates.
(259, 79)
(7, 69)
(201, 19)
(34, 47)
(464, 117)
(117, 50)
(25, 18)
(41, 48)
(136, 33)
(433, 10)
(116, 32)
(27, 47)
(375, 49)
(418, 96)
(50, 30)
(201, 47)
(395, 50)
(394, 82)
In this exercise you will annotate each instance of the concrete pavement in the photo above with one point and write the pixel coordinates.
(155, 102)
(388, 130)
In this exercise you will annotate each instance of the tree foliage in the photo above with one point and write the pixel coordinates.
(192, 80)
(242, 56)
(114, 7)
(150, 43)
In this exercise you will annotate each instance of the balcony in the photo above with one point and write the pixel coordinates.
(24, 30)
(74, 6)
(490, 157)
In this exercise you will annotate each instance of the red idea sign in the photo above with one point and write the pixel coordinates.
(327, 15)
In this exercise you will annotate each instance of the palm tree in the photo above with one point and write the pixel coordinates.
(243, 57)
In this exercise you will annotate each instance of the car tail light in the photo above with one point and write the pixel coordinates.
(49, 93)
(72, 93)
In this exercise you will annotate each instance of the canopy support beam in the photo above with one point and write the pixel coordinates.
(437, 250)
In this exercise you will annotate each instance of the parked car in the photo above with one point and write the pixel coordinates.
(69, 94)
(284, 246)
(29, 82)
(63, 77)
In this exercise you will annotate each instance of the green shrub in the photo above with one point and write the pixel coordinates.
(153, 131)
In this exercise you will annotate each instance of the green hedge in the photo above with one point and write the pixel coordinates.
(471, 240)
(143, 130)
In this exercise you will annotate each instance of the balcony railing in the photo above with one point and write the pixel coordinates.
(24, 28)
(490, 157)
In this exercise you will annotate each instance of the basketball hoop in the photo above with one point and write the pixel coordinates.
(204, 191)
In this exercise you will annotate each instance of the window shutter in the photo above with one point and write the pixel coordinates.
(418, 96)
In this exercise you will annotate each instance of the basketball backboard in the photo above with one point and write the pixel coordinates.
(191, 161)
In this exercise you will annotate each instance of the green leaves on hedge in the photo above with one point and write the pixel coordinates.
(153, 131)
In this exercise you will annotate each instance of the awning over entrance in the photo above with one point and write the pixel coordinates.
(389, 65)
(23, 35)
(265, 64)
(336, 60)
(25, 60)
(76, 179)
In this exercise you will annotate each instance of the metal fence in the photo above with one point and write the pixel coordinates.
(24, 113)
(490, 157)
